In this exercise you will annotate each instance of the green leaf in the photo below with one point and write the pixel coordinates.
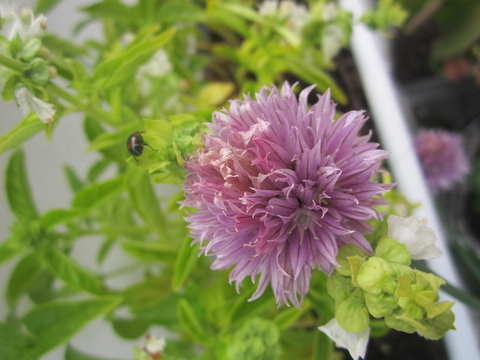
(11, 248)
(37, 72)
(109, 139)
(122, 67)
(313, 75)
(461, 37)
(73, 180)
(176, 11)
(96, 194)
(71, 272)
(145, 201)
(30, 49)
(17, 188)
(129, 328)
(57, 216)
(28, 127)
(23, 276)
(288, 317)
(44, 6)
(97, 170)
(149, 251)
(112, 9)
(190, 322)
(13, 343)
(186, 260)
(73, 354)
(55, 322)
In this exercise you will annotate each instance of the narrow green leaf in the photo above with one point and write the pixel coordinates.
(55, 322)
(176, 11)
(288, 317)
(57, 216)
(190, 322)
(110, 139)
(23, 275)
(42, 290)
(43, 6)
(73, 354)
(11, 248)
(129, 328)
(17, 188)
(187, 258)
(313, 75)
(13, 343)
(322, 346)
(73, 180)
(112, 9)
(96, 194)
(149, 251)
(145, 201)
(71, 272)
(122, 67)
(97, 170)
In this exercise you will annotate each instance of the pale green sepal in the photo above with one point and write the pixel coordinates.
(429, 279)
(393, 322)
(404, 288)
(380, 305)
(352, 314)
(343, 253)
(393, 252)
(377, 276)
(356, 263)
(339, 287)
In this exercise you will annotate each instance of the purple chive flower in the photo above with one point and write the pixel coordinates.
(443, 157)
(280, 188)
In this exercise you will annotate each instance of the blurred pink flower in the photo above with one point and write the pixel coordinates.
(443, 157)
(280, 187)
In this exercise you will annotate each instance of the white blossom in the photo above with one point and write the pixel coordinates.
(26, 25)
(355, 343)
(414, 234)
(154, 346)
(28, 103)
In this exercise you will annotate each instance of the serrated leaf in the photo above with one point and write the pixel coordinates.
(55, 322)
(17, 188)
(68, 270)
(94, 195)
(129, 328)
(122, 67)
(186, 260)
(28, 127)
(149, 251)
(23, 275)
(190, 322)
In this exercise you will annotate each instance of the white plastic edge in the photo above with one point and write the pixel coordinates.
(391, 124)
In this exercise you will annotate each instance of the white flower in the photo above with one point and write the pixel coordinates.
(355, 343)
(26, 25)
(268, 8)
(28, 103)
(413, 233)
(154, 346)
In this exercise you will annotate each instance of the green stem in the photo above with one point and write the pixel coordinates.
(12, 63)
(97, 113)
